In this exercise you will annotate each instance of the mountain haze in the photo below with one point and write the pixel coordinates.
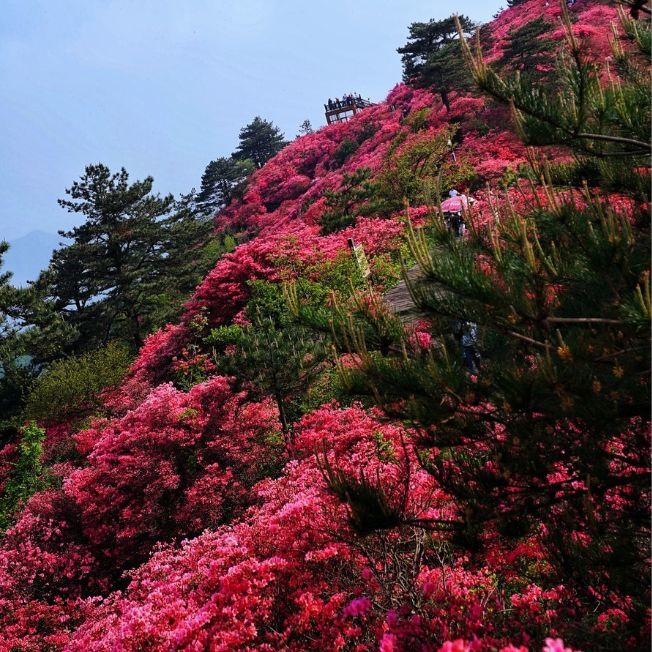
(29, 255)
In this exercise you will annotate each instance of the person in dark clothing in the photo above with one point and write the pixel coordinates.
(466, 335)
(456, 224)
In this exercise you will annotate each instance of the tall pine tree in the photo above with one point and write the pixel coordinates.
(259, 141)
(104, 281)
(528, 49)
(223, 179)
(432, 58)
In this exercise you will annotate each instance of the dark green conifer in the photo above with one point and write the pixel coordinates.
(259, 141)
(223, 179)
(432, 59)
(105, 281)
(528, 50)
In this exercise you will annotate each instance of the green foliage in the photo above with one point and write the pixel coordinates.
(528, 51)
(259, 141)
(72, 387)
(340, 274)
(344, 204)
(132, 249)
(326, 387)
(26, 477)
(305, 128)
(274, 355)
(370, 508)
(349, 146)
(222, 180)
(594, 173)
(229, 243)
(510, 177)
(192, 250)
(418, 120)
(345, 149)
(369, 128)
(384, 448)
(639, 33)
(432, 59)
(480, 126)
(415, 172)
(223, 335)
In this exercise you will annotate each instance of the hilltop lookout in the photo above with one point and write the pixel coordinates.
(340, 110)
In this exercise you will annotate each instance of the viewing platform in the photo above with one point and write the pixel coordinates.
(341, 110)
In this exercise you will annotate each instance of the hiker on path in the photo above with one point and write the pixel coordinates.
(466, 333)
(453, 209)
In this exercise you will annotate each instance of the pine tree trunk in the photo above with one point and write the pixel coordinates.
(444, 98)
(285, 426)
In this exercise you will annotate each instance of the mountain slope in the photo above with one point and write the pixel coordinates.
(182, 520)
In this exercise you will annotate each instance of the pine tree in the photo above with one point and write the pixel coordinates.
(191, 249)
(551, 438)
(259, 141)
(275, 355)
(432, 59)
(223, 179)
(528, 50)
(104, 281)
(305, 128)
(32, 334)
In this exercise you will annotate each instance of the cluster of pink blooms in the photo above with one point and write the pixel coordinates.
(288, 572)
(180, 522)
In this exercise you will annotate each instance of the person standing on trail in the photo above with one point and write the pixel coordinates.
(453, 209)
(469, 340)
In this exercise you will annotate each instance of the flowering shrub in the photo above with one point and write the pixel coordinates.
(176, 520)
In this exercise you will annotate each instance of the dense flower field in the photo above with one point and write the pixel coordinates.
(183, 521)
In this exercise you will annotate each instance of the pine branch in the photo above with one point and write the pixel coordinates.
(614, 139)
(583, 320)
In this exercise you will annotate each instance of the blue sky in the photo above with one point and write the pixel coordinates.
(162, 87)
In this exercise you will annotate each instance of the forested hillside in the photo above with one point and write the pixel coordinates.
(289, 464)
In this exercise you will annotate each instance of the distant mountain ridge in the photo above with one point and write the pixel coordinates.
(30, 254)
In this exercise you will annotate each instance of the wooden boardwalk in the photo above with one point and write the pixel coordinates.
(400, 299)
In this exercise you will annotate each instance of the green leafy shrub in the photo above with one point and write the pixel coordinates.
(347, 148)
(344, 205)
(415, 171)
(419, 119)
(71, 387)
(26, 478)
(340, 274)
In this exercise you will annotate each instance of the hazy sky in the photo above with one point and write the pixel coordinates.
(162, 87)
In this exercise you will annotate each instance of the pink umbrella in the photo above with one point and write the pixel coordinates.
(455, 204)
